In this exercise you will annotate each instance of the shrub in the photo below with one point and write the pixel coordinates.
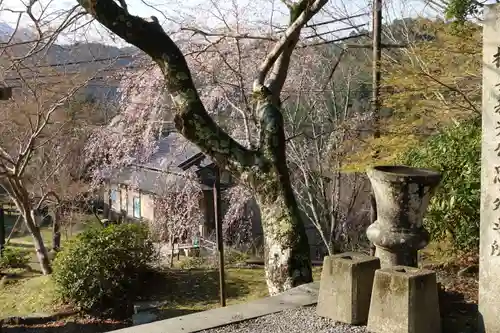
(196, 262)
(13, 257)
(100, 271)
(231, 257)
(454, 209)
(234, 257)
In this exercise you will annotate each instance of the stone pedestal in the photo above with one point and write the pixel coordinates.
(346, 287)
(404, 300)
(402, 194)
(489, 252)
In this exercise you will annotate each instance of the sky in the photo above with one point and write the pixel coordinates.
(206, 14)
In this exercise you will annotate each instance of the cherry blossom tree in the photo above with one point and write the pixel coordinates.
(237, 224)
(262, 166)
(177, 211)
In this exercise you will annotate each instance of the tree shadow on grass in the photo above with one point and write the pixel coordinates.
(190, 288)
(457, 315)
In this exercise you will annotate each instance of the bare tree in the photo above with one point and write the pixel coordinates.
(39, 129)
(34, 149)
(321, 123)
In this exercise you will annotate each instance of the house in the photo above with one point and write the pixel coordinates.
(132, 191)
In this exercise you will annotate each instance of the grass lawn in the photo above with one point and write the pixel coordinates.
(80, 223)
(29, 294)
(184, 291)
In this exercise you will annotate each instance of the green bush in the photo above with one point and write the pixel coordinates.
(13, 257)
(101, 270)
(454, 210)
(234, 257)
(195, 262)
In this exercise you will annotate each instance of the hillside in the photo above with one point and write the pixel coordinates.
(57, 60)
(434, 82)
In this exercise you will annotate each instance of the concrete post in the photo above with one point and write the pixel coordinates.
(489, 252)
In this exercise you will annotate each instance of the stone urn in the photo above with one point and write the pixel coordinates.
(402, 194)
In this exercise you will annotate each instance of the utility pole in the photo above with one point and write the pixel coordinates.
(377, 47)
(377, 57)
(218, 234)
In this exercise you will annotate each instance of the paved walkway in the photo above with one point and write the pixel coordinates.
(297, 297)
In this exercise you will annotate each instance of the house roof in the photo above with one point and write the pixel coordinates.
(163, 172)
(173, 150)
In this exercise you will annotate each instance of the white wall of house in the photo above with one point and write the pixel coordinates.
(123, 198)
(131, 195)
(147, 206)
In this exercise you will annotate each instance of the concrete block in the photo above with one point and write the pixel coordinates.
(346, 287)
(404, 300)
(143, 318)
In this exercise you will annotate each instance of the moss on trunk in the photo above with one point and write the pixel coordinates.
(287, 259)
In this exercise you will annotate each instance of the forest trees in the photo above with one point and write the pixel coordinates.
(262, 168)
(319, 125)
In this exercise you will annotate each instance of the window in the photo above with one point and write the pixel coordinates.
(137, 207)
(113, 195)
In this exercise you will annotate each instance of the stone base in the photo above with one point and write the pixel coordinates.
(346, 287)
(143, 318)
(404, 300)
(390, 259)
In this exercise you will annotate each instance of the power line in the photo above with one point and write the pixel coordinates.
(81, 62)
(389, 90)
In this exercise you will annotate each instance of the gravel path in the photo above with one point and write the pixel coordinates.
(297, 320)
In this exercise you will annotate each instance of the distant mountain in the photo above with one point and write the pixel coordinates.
(70, 58)
(5, 30)
(21, 34)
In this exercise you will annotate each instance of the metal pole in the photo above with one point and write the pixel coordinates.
(218, 233)
(377, 55)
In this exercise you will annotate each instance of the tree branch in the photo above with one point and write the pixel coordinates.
(45, 196)
(284, 48)
(191, 119)
(228, 34)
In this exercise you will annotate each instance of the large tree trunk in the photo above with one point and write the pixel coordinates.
(40, 249)
(287, 260)
(287, 254)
